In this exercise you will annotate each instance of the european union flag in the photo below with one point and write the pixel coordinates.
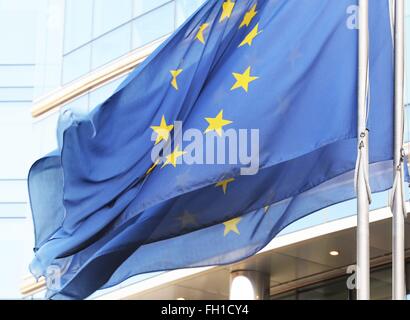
(242, 122)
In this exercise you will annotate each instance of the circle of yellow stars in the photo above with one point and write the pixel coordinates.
(216, 124)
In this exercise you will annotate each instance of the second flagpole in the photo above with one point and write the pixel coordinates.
(398, 281)
(362, 238)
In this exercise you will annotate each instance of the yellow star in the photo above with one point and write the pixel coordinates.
(187, 219)
(162, 130)
(243, 80)
(227, 8)
(152, 167)
(224, 184)
(175, 74)
(200, 34)
(247, 19)
(250, 36)
(216, 124)
(232, 225)
(173, 157)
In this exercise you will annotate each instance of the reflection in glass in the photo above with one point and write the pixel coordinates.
(184, 9)
(143, 6)
(76, 64)
(16, 94)
(17, 25)
(109, 14)
(153, 26)
(78, 19)
(406, 135)
(336, 288)
(16, 75)
(111, 46)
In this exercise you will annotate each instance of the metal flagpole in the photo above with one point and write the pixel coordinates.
(399, 285)
(362, 238)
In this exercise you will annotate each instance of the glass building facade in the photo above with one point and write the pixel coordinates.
(91, 34)
(53, 44)
(97, 32)
(336, 289)
(46, 45)
(18, 24)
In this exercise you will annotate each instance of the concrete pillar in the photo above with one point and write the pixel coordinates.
(249, 285)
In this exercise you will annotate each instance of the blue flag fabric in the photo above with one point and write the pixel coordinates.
(104, 210)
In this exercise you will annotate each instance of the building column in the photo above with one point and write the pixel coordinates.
(249, 285)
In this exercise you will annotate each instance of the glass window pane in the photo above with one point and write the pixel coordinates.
(49, 49)
(15, 104)
(13, 210)
(16, 94)
(76, 63)
(184, 9)
(15, 141)
(328, 290)
(16, 76)
(16, 248)
(111, 46)
(109, 14)
(331, 289)
(406, 123)
(78, 19)
(17, 34)
(380, 284)
(143, 6)
(153, 26)
(44, 130)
